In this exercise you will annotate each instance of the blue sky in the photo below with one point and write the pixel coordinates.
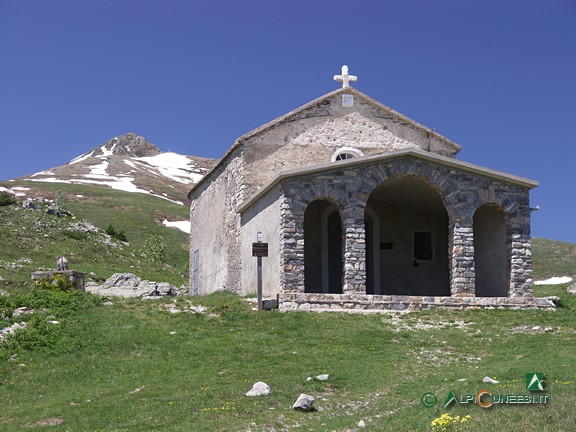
(496, 76)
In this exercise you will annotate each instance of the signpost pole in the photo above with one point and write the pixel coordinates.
(259, 250)
(259, 283)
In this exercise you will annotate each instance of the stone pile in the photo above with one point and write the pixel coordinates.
(10, 330)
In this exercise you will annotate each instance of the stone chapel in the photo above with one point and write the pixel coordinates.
(363, 209)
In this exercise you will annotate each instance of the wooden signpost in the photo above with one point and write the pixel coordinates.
(259, 250)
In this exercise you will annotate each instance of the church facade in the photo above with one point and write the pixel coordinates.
(363, 209)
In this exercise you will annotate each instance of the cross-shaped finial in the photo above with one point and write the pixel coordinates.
(345, 78)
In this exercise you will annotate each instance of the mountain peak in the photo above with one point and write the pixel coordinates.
(130, 163)
(129, 144)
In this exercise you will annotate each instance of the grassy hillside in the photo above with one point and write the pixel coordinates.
(83, 364)
(31, 239)
(553, 258)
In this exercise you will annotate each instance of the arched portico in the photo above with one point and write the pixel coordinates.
(407, 239)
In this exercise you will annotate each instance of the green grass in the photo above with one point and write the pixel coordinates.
(135, 366)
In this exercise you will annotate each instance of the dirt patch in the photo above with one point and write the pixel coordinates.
(49, 422)
(405, 323)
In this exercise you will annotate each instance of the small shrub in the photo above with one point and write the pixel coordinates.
(119, 235)
(60, 200)
(154, 249)
(7, 199)
(76, 235)
(55, 282)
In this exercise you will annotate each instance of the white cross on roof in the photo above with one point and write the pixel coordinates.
(345, 78)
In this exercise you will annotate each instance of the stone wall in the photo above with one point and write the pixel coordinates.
(364, 303)
(264, 217)
(310, 137)
(215, 228)
(76, 278)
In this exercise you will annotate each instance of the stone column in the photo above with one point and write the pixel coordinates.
(520, 257)
(462, 278)
(354, 233)
(292, 245)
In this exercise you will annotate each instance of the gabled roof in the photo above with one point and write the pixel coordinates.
(347, 90)
(297, 111)
(419, 154)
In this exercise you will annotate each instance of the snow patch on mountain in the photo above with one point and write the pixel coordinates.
(181, 225)
(81, 158)
(119, 183)
(99, 171)
(179, 168)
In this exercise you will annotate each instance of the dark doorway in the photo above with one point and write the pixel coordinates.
(490, 252)
(322, 248)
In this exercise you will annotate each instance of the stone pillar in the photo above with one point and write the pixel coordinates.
(520, 258)
(292, 245)
(354, 233)
(462, 278)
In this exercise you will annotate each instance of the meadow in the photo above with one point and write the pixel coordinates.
(89, 363)
(135, 365)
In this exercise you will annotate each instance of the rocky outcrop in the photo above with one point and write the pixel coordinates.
(129, 144)
(130, 285)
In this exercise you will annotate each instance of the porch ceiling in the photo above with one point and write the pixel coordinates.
(408, 192)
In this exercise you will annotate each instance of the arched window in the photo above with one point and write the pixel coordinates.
(343, 156)
(346, 153)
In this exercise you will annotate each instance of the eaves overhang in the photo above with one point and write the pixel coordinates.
(418, 154)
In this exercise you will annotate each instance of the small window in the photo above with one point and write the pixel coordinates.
(343, 156)
(346, 153)
(423, 246)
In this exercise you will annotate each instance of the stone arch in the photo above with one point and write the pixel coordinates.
(434, 176)
(491, 254)
(323, 247)
(413, 237)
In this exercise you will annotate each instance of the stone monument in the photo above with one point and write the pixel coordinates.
(76, 278)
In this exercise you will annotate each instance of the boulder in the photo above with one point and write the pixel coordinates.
(304, 403)
(122, 280)
(489, 380)
(130, 285)
(58, 212)
(323, 377)
(259, 389)
(29, 204)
